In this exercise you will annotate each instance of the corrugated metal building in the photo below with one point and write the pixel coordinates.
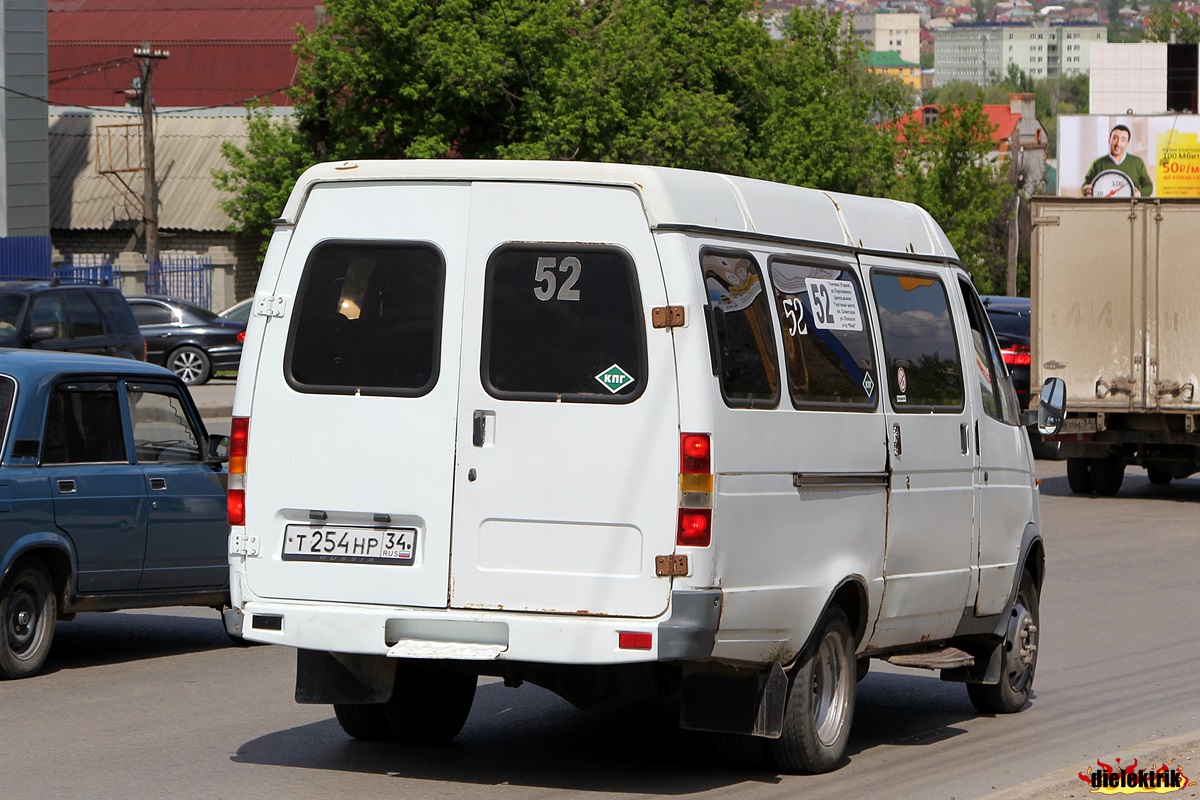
(96, 184)
(222, 52)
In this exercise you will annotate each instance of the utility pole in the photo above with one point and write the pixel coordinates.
(148, 59)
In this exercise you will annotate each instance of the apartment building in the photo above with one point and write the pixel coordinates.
(981, 54)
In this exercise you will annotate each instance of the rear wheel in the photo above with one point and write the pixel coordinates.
(1157, 476)
(1107, 475)
(28, 607)
(1018, 659)
(820, 703)
(191, 364)
(430, 703)
(1079, 475)
(366, 721)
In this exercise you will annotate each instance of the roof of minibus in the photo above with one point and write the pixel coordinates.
(682, 198)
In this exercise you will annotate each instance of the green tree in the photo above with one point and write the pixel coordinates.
(948, 168)
(824, 111)
(261, 176)
(1163, 24)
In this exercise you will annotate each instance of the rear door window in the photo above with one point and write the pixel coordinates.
(739, 320)
(563, 323)
(85, 317)
(8, 390)
(920, 350)
(826, 337)
(368, 318)
(84, 425)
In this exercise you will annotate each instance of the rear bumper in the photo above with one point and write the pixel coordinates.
(686, 632)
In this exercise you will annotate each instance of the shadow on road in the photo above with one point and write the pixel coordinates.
(112, 638)
(1136, 484)
(529, 737)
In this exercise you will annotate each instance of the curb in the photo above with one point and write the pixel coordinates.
(1185, 750)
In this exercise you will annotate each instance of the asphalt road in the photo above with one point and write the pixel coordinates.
(158, 704)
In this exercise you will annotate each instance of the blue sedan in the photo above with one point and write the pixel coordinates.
(112, 495)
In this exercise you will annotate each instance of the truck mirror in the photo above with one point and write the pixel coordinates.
(1051, 406)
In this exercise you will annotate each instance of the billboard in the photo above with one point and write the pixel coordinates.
(1129, 155)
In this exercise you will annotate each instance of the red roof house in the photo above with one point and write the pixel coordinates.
(221, 52)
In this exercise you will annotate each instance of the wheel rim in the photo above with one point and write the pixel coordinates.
(188, 366)
(1022, 644)
(831, 689)
(21, 624)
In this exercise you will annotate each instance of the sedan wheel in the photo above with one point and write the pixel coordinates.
(191, 364)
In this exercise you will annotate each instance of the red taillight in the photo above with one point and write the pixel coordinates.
(695, 527)
(695, 453)
(632, 640)
(235, 506)
(1018, 355)
(239, 444)
(241, 337)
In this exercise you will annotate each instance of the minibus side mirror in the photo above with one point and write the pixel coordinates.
(1052, 405)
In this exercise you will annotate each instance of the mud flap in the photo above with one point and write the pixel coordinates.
(736, 701)
(343, 677)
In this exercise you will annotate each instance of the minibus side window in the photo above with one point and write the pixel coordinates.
(739, 320)
(826, 338)
(999, 396)
(368, 318)
(563, 323)
(921, 360)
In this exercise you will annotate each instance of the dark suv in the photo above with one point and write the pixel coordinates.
(78, 318)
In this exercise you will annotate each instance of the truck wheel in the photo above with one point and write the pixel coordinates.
(1079, 475)
(1107, 475)
(1157, 476)
(1018, 658)
(28, 607)
(366, 721)
(430, 703)
(820, 703)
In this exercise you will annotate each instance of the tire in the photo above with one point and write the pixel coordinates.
(1018, 658)
(1157, 476)
(191, 364)
(820, 703)
(28, 607)
(1107, 475)
(367, 721)
(429, 703)
(1079, 475)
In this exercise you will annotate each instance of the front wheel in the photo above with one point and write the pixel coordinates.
(820, 703)
(191, 364)
(1079, 475)
(28, 607)
(1107, 475)
(1018, 658)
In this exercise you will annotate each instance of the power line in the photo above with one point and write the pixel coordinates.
(116, 110)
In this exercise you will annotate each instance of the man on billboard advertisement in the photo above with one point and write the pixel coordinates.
(1142, 155)
(1118, 173)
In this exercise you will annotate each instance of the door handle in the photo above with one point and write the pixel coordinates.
(158, 484)
(964, 438)
(897, 444)
(66, 487)
(483, 428)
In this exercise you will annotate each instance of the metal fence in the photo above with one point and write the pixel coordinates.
(25, 257)
(182, 277)
(88, 268)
